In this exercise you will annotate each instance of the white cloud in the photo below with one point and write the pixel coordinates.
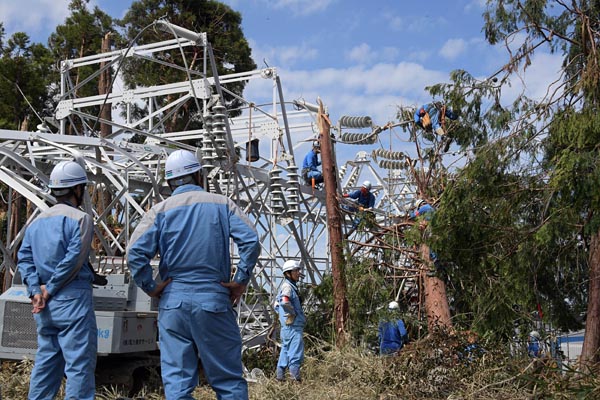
(395, 22)
(35, 17)
(421, 55)
(413, 23)
(535, 81)
(358, 90)
(364, 54)
(389, 53)
(360, 53)
(476, 5)
(300, 7)
(379, 89)
(453, 48)
(283, 56)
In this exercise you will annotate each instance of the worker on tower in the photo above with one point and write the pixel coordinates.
(392, 331)
(192, 231)
(432, 116)
(363, 196)
(422, 208)
(291, 317)
(365, 201)
(51, 261)
(310, 166)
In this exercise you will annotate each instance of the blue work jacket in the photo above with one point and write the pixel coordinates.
(311, 161)
(392, 336)
(425, 210)
(55, 247)
(366, 200)
(294, 307)
(191, 231)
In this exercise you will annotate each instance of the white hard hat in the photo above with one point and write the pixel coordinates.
(367, 184)
(393, 305)
(290, 265)
(535, 334)
(67, 174)
(419, 203)
(181, 163)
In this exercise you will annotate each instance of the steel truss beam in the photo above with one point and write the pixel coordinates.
(127, 178)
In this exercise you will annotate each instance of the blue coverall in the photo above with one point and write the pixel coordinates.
(427, 212)
(55, 247)
(366, 200)
(310, 166)
(534, 348)
(392, 336)
(191, 230)
(434, 115)
(292, 343)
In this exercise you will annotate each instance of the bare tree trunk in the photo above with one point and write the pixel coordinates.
(104, 88)
(436, 299)
(334, 224)
(591, 341)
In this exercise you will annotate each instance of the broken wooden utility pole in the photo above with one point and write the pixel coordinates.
(436, 299)
(334, 226)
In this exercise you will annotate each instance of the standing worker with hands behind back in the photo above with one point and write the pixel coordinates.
(192, 230)
(54, 250)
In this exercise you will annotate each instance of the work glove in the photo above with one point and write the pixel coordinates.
(290, 319)
(426, 121)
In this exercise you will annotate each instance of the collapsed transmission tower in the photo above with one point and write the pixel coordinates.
(249, 157)
(127, 178)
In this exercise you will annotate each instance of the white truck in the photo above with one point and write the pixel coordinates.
(127, 331)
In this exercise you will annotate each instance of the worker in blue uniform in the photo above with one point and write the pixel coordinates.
(422, 209)
(292, 321)
(310, 166)
(431, 117)
(363, 196)
(191, 231)
(534, 344)
(423, 212)
(392, 331)
(51, 261)
(365, 199)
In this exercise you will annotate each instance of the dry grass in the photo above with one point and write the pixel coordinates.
(427, 369)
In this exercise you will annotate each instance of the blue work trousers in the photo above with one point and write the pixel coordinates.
(67, 345)
(199, 325)
(317, 175)
(292, 351)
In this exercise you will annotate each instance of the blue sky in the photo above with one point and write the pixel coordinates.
(360, 57)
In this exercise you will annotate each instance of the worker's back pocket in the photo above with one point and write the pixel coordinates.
(170, 304)
(215, 307)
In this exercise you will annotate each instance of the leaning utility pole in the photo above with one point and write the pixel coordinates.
(334, 226)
